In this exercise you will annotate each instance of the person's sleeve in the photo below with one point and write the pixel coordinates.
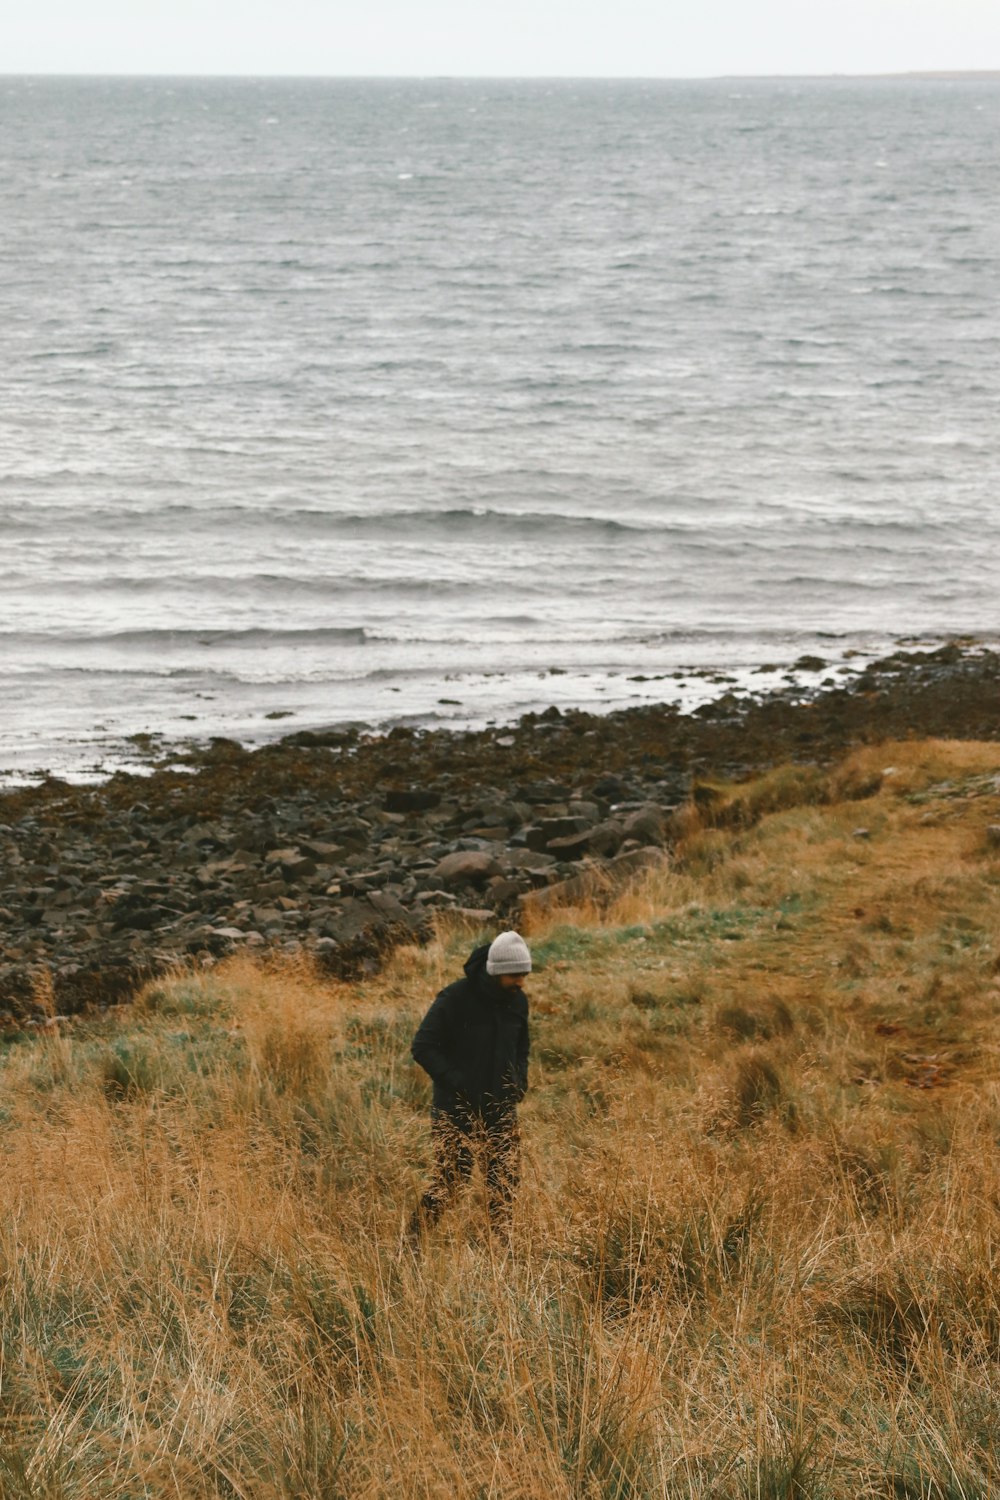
(430, 1045)
(523, 1047)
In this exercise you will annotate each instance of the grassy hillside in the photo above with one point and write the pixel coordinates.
(756, 1251)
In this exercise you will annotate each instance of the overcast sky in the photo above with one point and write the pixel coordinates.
(646, 38)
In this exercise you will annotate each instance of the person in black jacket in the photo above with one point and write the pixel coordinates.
(474, 1044)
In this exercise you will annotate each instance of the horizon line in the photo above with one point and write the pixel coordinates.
(940, 74)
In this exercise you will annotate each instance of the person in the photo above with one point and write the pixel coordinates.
(473, 1042)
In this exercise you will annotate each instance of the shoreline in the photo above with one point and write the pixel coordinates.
(90, 753)
(339, 843)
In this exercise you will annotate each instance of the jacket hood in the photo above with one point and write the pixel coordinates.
(475, 964)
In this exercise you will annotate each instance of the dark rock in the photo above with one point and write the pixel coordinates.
(364, 929)
(610, 788)
(475, 845)
(467, 867)
(319, 739)
(604, 839)
(490, 833)
(411, 800)
(267, 918)
(203, 835)
(535, 792)
(504, 892)
(353, 838)
(575, 846)
(228, 934)
(361, 883)
(528, 859)
(142, 918)
(321, 850)
(590, 811)
(390, 911)
(549, 830)
(647, 825)
(600, 882)
(561, 828)
(352, 918)
(218, 941)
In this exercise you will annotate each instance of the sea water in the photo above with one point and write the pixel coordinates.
(437, 401)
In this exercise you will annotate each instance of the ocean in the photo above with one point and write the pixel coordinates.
(438, 401)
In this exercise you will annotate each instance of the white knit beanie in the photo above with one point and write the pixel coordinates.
(508, 955)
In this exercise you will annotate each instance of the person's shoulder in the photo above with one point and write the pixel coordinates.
(457, 990)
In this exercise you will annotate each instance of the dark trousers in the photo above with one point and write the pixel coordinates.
(457, 1141)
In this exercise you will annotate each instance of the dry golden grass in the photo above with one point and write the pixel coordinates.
(756, 1250)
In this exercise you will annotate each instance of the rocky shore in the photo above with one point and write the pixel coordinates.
(340, 843)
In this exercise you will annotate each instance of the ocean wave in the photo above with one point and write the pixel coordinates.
(226, 585)
(112, 650)
(49, 672)
(348, 635)
(468, 520)
(949, 440)
(704, 528)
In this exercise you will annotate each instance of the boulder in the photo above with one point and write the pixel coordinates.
(315, 739)
(321, 850)
(647, 825)
(142, 919)
(610, 787)
(579, 808)
(547, 831)
(528, 859)
(215, 940)
(410, 800)
(573, 847)
(467, 867)
(535, 792)
(604, 838)
(370, 917)
(389, 910)
(599, 882)
(504, 892)
(295, 866)
(361, 882)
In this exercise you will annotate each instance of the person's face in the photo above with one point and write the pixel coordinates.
(512, 981)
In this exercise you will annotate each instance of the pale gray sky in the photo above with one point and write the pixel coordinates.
(646, 38)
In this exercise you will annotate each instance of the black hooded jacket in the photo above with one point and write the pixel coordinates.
(474, 1043)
